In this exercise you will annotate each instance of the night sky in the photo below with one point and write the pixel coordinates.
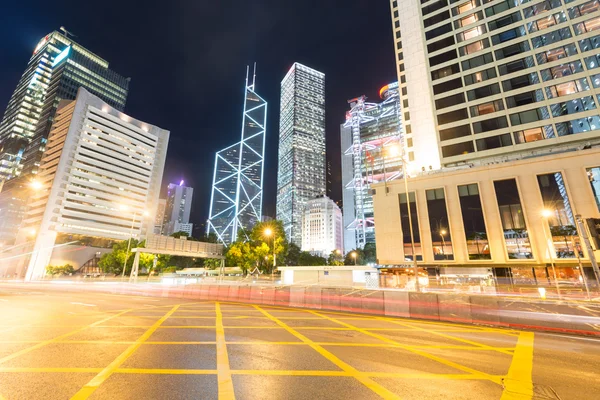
(187, 61)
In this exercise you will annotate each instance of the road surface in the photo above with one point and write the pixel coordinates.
(59, 345)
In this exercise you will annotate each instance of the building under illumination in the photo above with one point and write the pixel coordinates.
(500, 106)
(372, 141)
(237, 191)
(99, 181)
(301, 172)
(57, 68)
(322, 228)
(177, 209)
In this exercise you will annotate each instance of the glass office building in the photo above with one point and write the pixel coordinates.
(237, 191)
(302, 168)
(57, 68)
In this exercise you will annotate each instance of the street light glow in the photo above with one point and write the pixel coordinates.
(353, 254)
(36, 185)
(268, 232)
(394, 150)
(546, 213)
(443, 232)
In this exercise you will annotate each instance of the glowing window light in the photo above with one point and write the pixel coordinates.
(61, 56)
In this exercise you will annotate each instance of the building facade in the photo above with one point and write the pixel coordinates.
(160, 217)
(177, 209)
(322, 228)
(99, 179)
(515, 220)
(301, 174)
(372, 141)
(237, 191)
(57, 68)
(495, 79)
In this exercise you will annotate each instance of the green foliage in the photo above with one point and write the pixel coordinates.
(256, 249)
(293, 255)
(211, 263)
(66, 269)
(112, 263)
(169, 270)
(307, 259)
(335, 258)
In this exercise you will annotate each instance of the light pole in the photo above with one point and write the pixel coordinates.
(268, 232)
(546, 214)
(442, 233)
(123, 207)
(354, 255)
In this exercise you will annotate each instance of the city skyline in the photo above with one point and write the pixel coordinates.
(195, 97)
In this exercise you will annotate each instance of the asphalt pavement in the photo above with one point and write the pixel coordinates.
(64, 345)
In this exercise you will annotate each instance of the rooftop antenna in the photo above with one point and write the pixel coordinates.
(254, 76)
(66, 32)
(247, 72)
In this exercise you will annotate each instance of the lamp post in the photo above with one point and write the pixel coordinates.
(354, 255)
(123, 207)
(268, 232)
(442, 233)
(546, 214)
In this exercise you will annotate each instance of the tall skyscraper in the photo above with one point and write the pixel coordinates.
(301, 171)
(177, 209)
(236, 199)
(57, 68)
(100, 178)
(159, 218)
(372, 139)
(478, 81)
(322, 227)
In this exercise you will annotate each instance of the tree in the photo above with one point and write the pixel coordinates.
(335, 258)
(66, 269)
(350, 260)
(212, 263)
(293, 255)
(307, 259)
(258, 247)
(370, 253)
(112, 263)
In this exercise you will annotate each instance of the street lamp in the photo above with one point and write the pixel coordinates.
(546, 214)
(442, 233)
(125, 208)
(268, 232)
(353, 255)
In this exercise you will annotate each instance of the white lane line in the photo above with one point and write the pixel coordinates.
(83, 304)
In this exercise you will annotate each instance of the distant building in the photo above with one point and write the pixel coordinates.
(181, 227)
(160, 216)
(301, 172)
(237, 191)
(57, 68)
(99, 181)
(322, 227)
(372, 141)
(177, 208)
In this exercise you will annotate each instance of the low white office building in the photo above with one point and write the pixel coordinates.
(322, 227)
(99, 179)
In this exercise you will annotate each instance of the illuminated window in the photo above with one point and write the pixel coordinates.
(466, 7)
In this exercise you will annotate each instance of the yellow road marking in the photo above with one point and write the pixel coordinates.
(58, 338)
(53, 369)
(96, 381)
(368, 382)
(447, 336)
(150, 371)
(518, 384)
(416, 351)
(224, 373)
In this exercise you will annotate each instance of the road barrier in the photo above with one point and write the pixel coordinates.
(566, 316)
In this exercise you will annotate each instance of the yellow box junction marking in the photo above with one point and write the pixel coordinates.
(368, 382)
(224, 373)
(518, 384)
(96, 381)
(58, 338)
(413, 350)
